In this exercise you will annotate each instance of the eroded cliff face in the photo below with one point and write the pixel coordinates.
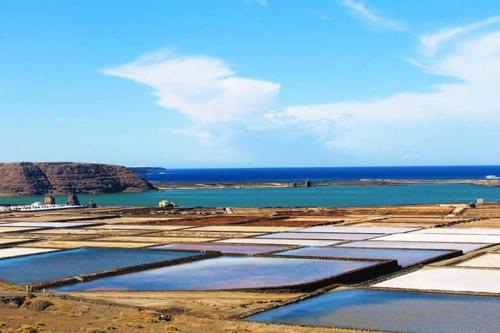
(28, 178)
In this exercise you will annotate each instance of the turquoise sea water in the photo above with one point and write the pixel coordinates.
(338, 196)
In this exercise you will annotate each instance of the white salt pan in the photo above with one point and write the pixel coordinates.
(361, 230)
(488, 260)
(21, 251)
(464, 247)
(446, 238)
(299, 242)
(460, 231)
(448, 279)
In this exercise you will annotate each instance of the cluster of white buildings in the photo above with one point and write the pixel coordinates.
(36, 206)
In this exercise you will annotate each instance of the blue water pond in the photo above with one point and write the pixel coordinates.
(71, 263)
(404, 257)
(392, 311)
(225, 273)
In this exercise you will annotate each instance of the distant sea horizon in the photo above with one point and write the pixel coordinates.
(297, 174)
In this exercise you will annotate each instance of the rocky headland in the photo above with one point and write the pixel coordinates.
(28, 178)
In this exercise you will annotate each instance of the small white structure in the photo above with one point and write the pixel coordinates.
(166, 204)
(480, 201)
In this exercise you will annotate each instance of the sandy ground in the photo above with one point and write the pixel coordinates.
(289, 223)
(139, 219)
(488, 223)
(483, 212)
(219, 305)
(246, 228)
(53, 217)
(413, 221)
(5, 241)
(35, 235)
(88, 231)
(201, 315)
(139, 226)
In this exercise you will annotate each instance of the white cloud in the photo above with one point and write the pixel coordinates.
(222, 103)
(203, 88)
(434, 41)
(356, 125)
(370, 17)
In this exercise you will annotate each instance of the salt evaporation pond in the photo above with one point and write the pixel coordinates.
(320, 235)
(11, 252)
(225, 248)
(444, 238)
(404, 258)
(460, 231)
(392, 311)
(453, 279)
(279, 241)
(226, 273)
(362, 230)
(464, 247)
(71, 263)
(488, 260)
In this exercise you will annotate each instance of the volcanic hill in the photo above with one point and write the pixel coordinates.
(28, 178)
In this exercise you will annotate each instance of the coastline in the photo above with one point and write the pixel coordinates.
(364, 182)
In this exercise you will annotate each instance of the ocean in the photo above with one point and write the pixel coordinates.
(331, 196)
(335, 196)
(186, 176)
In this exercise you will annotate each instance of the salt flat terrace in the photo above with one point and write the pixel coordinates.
(319, 260)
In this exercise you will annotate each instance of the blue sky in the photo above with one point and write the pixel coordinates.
(221, 83)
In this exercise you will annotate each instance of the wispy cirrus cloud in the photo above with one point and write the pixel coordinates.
(369, 16)
(209, 93)
(434, 41)
(205, 89)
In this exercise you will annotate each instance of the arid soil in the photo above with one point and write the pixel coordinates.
(196, 312)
